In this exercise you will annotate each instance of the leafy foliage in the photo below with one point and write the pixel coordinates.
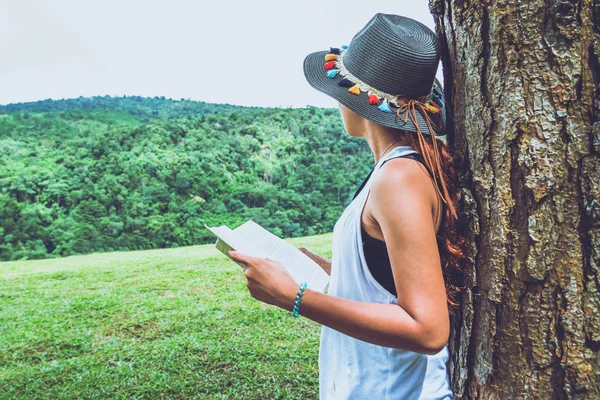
(104, 174)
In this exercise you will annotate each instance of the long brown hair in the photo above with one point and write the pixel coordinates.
(440, 165)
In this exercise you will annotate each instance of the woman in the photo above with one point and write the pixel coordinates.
(386, 316)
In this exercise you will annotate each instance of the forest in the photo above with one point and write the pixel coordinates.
(129, 173)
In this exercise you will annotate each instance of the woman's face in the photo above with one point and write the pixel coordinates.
(353, 122)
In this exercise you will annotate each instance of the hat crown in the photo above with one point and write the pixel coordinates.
(395, 55)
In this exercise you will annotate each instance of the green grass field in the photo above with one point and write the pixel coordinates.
(159, 324)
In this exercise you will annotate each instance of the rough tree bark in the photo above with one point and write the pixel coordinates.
(522, 82)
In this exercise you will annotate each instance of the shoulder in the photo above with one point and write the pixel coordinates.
(403, 175)
(402, 189)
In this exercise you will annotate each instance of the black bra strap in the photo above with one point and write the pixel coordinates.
(414, 156)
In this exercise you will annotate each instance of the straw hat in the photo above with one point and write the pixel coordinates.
(386, 74)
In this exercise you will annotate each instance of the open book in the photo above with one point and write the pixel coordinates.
(254, 240)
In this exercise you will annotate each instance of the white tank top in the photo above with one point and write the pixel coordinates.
(353, 369)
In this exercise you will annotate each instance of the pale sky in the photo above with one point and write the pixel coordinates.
(228, 51)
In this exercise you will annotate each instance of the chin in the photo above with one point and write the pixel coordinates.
(353, 134)
(352, 121)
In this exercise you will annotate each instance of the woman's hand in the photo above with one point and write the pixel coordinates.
(268, 281)
(323, 262)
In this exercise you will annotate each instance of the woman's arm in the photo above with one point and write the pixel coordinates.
(386, 325)
(404, 201)
(323, 262)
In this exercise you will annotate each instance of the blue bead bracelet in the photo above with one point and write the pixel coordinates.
(296, 309)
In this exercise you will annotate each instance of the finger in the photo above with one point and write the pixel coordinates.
(306, 251)
(237, 260)
(251, 290)
(239, 257)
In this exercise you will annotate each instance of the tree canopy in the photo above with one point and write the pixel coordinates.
(104, 174)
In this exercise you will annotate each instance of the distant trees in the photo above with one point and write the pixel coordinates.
(103, 174)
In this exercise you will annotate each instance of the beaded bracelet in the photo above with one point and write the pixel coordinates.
(296, 309)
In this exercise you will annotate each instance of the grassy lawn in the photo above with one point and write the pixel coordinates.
(160, 324)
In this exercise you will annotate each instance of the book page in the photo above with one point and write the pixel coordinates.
(228, 239)
(298, 264)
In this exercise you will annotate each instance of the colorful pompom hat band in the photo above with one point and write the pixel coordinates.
(386, 75)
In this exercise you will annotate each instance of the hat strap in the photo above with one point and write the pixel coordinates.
(410, 109)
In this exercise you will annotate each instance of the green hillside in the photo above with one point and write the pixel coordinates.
(107, 174)
(161, 324)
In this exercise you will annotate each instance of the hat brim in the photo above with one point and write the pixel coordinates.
(316, 75)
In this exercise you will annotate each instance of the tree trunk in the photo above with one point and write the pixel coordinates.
(522, 86)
